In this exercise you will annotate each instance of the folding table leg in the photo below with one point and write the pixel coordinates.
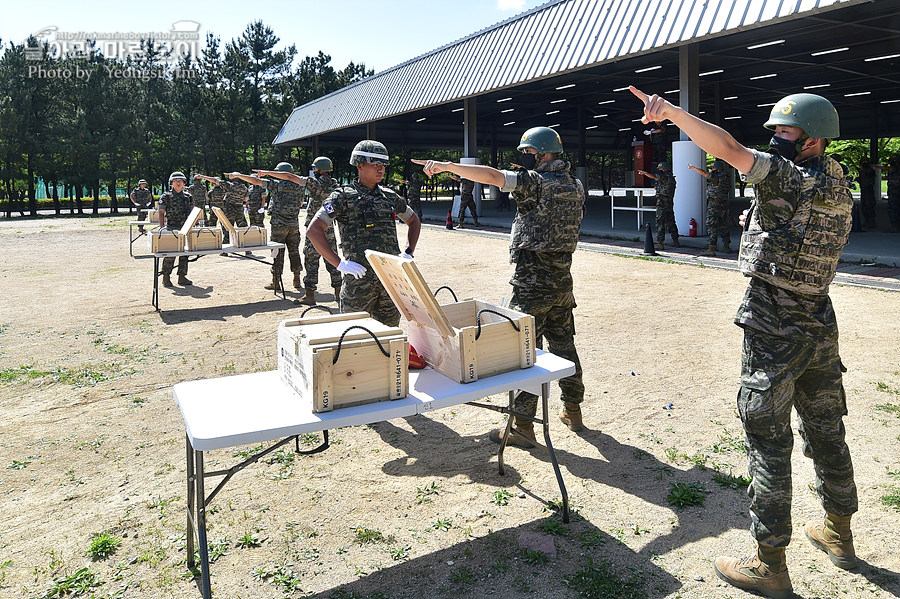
(156, 282)
(545, 393)
(509, 422)
(191, 502)
(201, 528)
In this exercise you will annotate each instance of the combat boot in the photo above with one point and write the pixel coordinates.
(834, 538)
(764, 573)
(675, 243)
(167, 281)
(726, 248)
(460, 225)
(477, 224)
(298, 284)
(183, 280)
(275, 285)
(709, 251)
(310, 298)
(522, 435)
(571, 416)
(659, 245)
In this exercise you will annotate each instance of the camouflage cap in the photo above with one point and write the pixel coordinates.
(369, 151)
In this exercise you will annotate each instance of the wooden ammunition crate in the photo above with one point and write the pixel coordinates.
(165, 240)
(152, 216)
(466, 340)
(204, 239)
(242, 237)
(333, 374)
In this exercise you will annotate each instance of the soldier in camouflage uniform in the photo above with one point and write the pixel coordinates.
(664, 181)
(796, 229)
(414, 194)
(467, 200)
(143, 199)
(198, 193)
(364, 212)
(256, 206)
(319, 186)
(174, 207)
(718, 192)
(216, 197)
(893, 192)
(544, 236)
(866, 179)
(236, 195)
(285, 199)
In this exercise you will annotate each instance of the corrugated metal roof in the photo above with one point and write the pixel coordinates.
(554, 38)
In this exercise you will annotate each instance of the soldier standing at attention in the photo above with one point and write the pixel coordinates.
(664, 182)
(795, 231)
(174, 207)
(256, 206)
(717, 195)
(320, 186)
(198, 193)
(364, 213)
(544, 237)
(866, 180)
(414, 194)
(216, 197)
(236, 195)
(143, 199)
(285, 199)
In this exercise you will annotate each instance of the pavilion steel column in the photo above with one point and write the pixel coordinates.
(690, 192)
(470, 146)
(581, 168)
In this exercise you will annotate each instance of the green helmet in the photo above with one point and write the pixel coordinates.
(177, 175)
(284, 167)
(814, 114)
(324, 164)
(371, 151)
(542, 139)
(664, 166)
(719, 165)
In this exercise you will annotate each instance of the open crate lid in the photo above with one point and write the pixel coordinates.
(220, 214)
(326, 329)
(191, 220)
(404, 283)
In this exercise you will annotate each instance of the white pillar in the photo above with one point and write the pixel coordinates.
(476, 192)
(690, 189)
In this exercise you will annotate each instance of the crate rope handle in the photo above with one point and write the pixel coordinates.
(317, 307)
(337, 354)
(478, 321)
(448, 289)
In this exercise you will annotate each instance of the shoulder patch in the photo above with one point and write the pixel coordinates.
(329, 208)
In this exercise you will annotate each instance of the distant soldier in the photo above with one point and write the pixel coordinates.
(256, 205)
(867, 202)
(718, 192)
(174, 207)
(466, 200)
(216, 197)
(893, 192)
(364, 211)
(236, 196)
(198, 193)
(664, 181)
(142, 198)
(414, 194)
(285, 199)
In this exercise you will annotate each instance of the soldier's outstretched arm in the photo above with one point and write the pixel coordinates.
(281, 175)
(248, 178)
(479, 173)
(711, 138)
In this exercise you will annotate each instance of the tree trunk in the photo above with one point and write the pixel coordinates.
(9, 198)
(96, 190)
(113, 200)
(32, 196)
(78, 203)
(56, 205)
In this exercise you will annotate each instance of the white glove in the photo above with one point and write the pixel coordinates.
(261, 211)
(405, 255)
(348, 267)
(648, 132)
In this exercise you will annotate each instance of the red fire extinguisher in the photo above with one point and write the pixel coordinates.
(692, 230)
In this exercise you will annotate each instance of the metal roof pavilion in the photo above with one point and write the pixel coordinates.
(567, 64)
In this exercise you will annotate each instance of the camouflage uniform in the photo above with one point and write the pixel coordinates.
(467, 200)
(319, 187)
(799, 224)
(544, 236)
(717, 195)
(216, 197)
(256, 201)
(665, 206)
(285, 198)
(414, 196)
(867, 202)
(893, 191)
(144, 200)
(366, 221)
(236, 193)
(177, 206)
(197, 190)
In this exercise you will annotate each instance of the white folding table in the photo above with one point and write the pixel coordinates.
(639, 193)
(256, 408)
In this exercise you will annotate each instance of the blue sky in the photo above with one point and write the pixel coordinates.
(379, 34)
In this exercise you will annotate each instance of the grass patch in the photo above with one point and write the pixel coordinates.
(730, 481)
(82, 376)
(103, 545)
(77, 583)
(597, 581)
(892, 498)
(683, 495)
(890, 408)
(423, 494)
(501, 497)
(371, 535)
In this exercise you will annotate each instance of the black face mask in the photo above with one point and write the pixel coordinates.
(785, 148)
(529, 161)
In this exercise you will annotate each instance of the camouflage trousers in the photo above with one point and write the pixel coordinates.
(169, 263)
(235, 213)
(257, 218)
(213, 219)
(556, 324)
(778, 374)
(665, 220)
(467, 201)
(717, 223)
(368, 295)
(867, 206)
(894, 204)
(311, 262)
(290, 237)
(416, 205)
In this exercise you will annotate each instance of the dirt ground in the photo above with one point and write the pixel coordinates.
(91, 441)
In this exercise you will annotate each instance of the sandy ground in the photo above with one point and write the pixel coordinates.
(92, 442)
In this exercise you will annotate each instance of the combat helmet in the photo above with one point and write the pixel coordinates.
(543, 139)
(810, 112)
(369, 151)
(664, 166)
(142, 182)
(177, 175)
(284, 167)
(719, 165)
(324, 164)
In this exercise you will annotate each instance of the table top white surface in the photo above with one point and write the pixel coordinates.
(253, 408)
(225, 249)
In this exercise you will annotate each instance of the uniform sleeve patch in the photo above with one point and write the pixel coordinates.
(329, 208)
